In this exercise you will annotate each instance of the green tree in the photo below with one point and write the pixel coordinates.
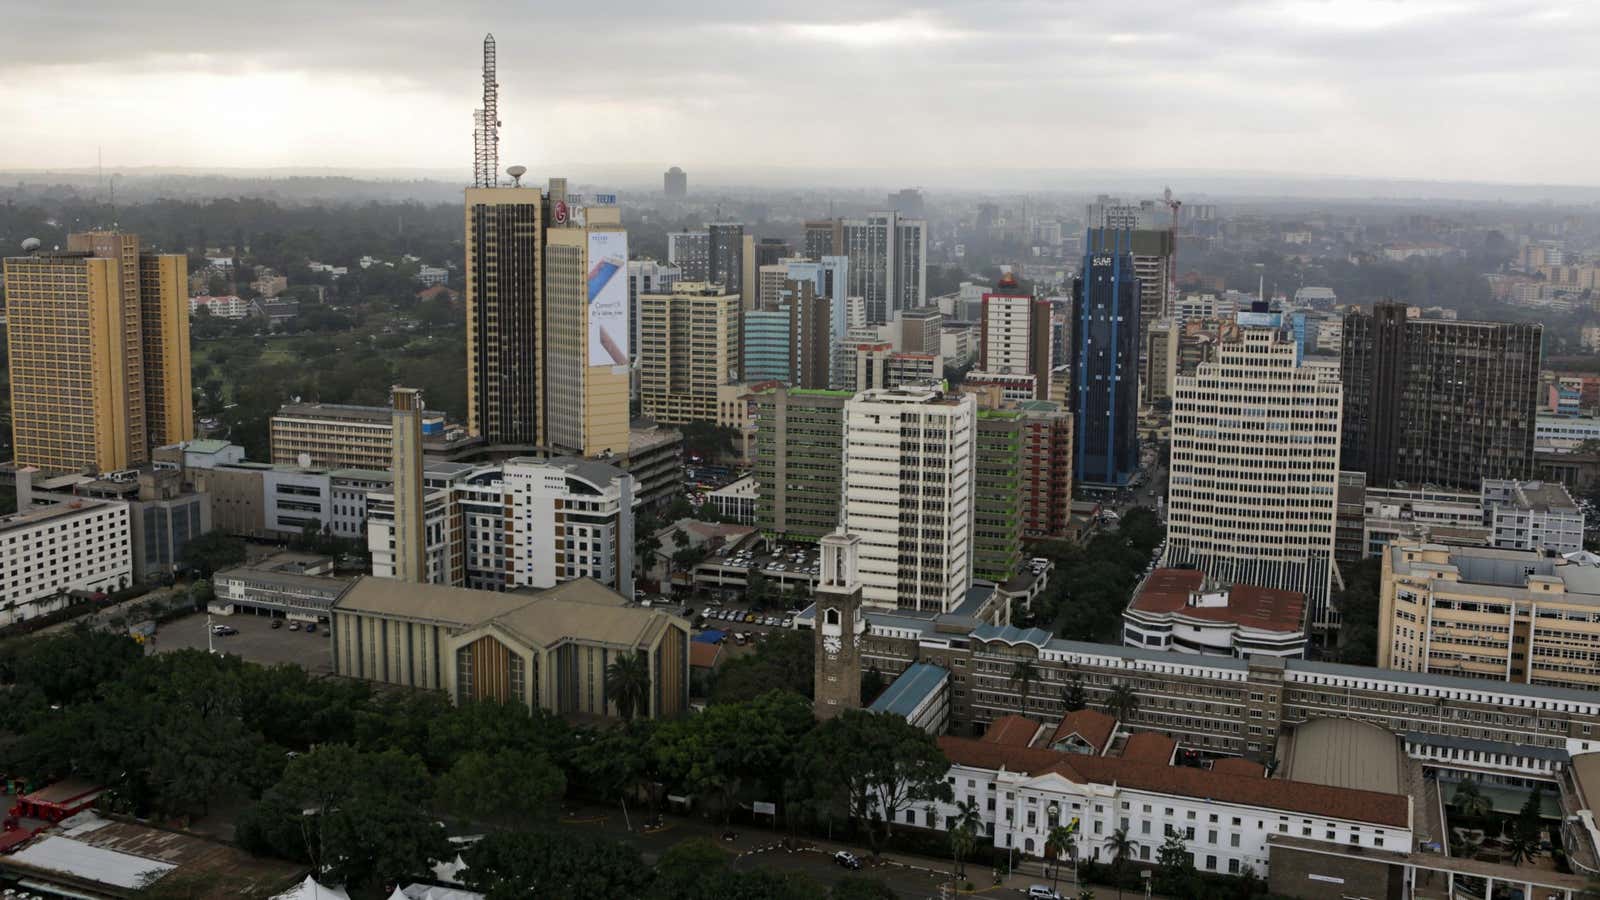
(683, 871)
(784, 661)
(1527, 828)
(1469, 801)
(1122, 702)
(880, 764)
(523, 864)
(1023, 676)
(361, 819)
(1122, 849)
(860, 887)
(1061, 841)
(963, 835)
(507, 786)
(611, 763)
(628, 684)
(213, 551)
(1073, 697)
(1176, 875)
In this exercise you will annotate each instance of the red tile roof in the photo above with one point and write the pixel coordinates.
(1238, 765)
(1014, 731)
(1391, 810)
(1094, 727)
(703, 655)
(1167, 591)
(1149, 746)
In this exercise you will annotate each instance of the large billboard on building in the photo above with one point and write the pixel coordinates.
(608, 298)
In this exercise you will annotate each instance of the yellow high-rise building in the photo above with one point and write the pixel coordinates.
(586, 361)
(98, 337)
(688, 347)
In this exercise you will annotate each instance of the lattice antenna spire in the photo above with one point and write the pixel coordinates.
(486, 124)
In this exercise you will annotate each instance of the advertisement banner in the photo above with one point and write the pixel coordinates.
(608, 298)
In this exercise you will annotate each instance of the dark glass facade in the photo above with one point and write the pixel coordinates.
(1434, 401)
(1105, 360)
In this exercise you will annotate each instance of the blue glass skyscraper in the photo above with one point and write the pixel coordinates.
(1105, 360)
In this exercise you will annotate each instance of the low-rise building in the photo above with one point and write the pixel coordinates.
(546, 650)
(231, 306)
(1509, 615)
(1175, 609)
(736, 502)
(655, 460)
(568, 518)
(1532, 515)
(338, 436)
(297, 586)
(1023, 788)
(48, 552)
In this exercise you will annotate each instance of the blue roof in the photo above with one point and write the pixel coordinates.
(909, 690)
(713, 636)
(1013, 635)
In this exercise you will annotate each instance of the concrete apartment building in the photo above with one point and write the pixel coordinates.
(1519, 616)
(1253, 490)
(997, 494)
(688, 347)
(908, 489)
(1505, 514)
(646, 276)
(74, 545)
(542, 650)
(164, 514)
(799, 462)
(1433, 401)
(98, 341)
(568, 518)
(1015, 338)
(1046, 484)
(340, 436)
(1160, 362)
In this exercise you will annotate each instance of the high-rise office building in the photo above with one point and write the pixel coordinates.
(908, 489)
(1105, 360)
(410, 539)
(1046, 483)
(799, 462)
(1160, 362)
(1253, 490)
(771, 251)
(568, 518)
(766, 345)
(909, 203)
(548, 338)
(505, 314)
(823, 238)
(688, 347)
(1015, 336)
(586, 350)
(646, 276)
(1433, 401)
(997, 494)
(725, 256)
(690, 251)
(675, 184)
(98, 339)
(888, 262)
(1152, 265)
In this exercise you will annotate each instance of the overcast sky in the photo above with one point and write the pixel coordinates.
(1491, 90)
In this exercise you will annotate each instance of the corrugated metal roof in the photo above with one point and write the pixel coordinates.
(913, 686)
(88, 862)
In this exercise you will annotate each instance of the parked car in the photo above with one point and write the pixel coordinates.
(1042, 892)
(294, 626)
(277, 623)
(224, 630)
(847, 859)
(311, 627)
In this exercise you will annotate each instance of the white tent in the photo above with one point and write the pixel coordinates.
(310, 890)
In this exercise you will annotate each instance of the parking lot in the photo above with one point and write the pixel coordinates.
(257, 641)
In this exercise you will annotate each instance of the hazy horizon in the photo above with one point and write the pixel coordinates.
(1434, 91)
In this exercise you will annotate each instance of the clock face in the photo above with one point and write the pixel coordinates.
(831, 645)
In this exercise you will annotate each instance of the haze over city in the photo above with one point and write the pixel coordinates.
(944, 93)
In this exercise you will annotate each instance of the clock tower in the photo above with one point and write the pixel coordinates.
(839, 627)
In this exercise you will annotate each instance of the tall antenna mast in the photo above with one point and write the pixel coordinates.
(486, 124)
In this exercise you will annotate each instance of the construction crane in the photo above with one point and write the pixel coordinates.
(1174, 205)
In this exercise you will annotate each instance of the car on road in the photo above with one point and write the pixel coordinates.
(847, 859)
(294, 626)
(788, 621)
(277, 623)
(1042, 892)
(311, 627)
(224, 630)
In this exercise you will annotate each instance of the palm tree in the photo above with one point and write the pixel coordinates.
(1122, 702)
(1469, 801)
(963, 835)
(628, 684)
(1023, 675)
(1122, 847)
(1060, 840)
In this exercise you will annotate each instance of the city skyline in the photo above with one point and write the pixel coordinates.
(1354, 89)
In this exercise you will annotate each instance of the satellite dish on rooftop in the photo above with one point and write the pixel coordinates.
(516, 173)
(30, 244)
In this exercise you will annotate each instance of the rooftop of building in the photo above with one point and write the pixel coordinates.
(1183, 592)
(382, 415)
(1493, 572)
(1345, 753)
(1389, 810)
(910, 690)
(39, 515)
(1091, 726)
(205, 445)
(741, 487)
(583, 610)
(593, 471)
(646, 434)
(1545, 496)
(1012, 730)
